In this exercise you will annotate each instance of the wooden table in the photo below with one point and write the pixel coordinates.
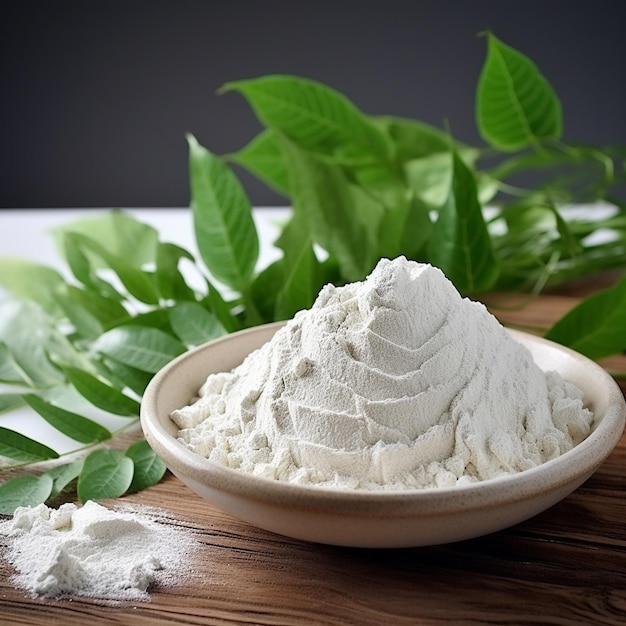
(566, 566)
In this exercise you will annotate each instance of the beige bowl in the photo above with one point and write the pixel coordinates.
(378, 519)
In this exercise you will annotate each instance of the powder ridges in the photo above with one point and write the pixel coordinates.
(396, 382)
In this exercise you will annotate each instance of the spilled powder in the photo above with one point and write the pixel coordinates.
(395, 382)
(93, 551)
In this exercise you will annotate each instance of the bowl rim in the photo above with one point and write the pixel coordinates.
(573, 465)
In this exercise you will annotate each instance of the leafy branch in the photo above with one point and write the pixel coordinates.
(100, 475)
(360, 187)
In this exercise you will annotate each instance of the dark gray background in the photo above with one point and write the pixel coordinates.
(96, 97)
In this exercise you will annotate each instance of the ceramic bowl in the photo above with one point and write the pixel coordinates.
(378, 519)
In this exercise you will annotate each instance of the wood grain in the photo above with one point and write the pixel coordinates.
(564, 567)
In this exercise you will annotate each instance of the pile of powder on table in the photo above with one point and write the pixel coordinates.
(93, 551)
(396, 382)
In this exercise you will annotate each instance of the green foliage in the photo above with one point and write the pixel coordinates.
(62, 476)
(31, 281)
(299, 268)
(318, 190)
(16, 446)
(596, 327)
(515, 104)
(264, 158)
(225, 232)
(143, 347)
(312, 115)
(100, 394)
(460, 244)
(361, 187)
(24, 491)
(102, 474)
(148, 468)
(105, 474)
(193, 324)
(75, 426)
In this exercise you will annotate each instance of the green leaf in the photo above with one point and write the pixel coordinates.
(249, 314)
(573, 174)
(153, 318)
(10, 401)
(300, 283)
(105, 474)
(84, 322)
(263, 157)
(221, 308)
(31, 281)
(460, 244)
(10, 370)
(411, 225)
(148, 470)
(101, 394)
(144, 348)
(264, 292)
(62, 476)
(119, 233)
(224, 228)
(77, 260)
(413, 139)
(62, 349)
(386, 186)
(193, 324)
(107, 311)
(515, 105)
(530, 217)
(21, 448)
(568, 242)
(75, 426)
(83, 268)
(312, 115)
(24, 491)
(597, 326)
(430, 178)
(137, 281)
(550, 158)
(126, 376)
(170, 281)
(405, 223)
(341, 221)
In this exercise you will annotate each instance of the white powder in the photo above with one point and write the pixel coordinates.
(93, 551)
(395, 382)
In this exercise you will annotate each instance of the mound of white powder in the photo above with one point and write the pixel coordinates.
(93, 551)
(396, 382)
